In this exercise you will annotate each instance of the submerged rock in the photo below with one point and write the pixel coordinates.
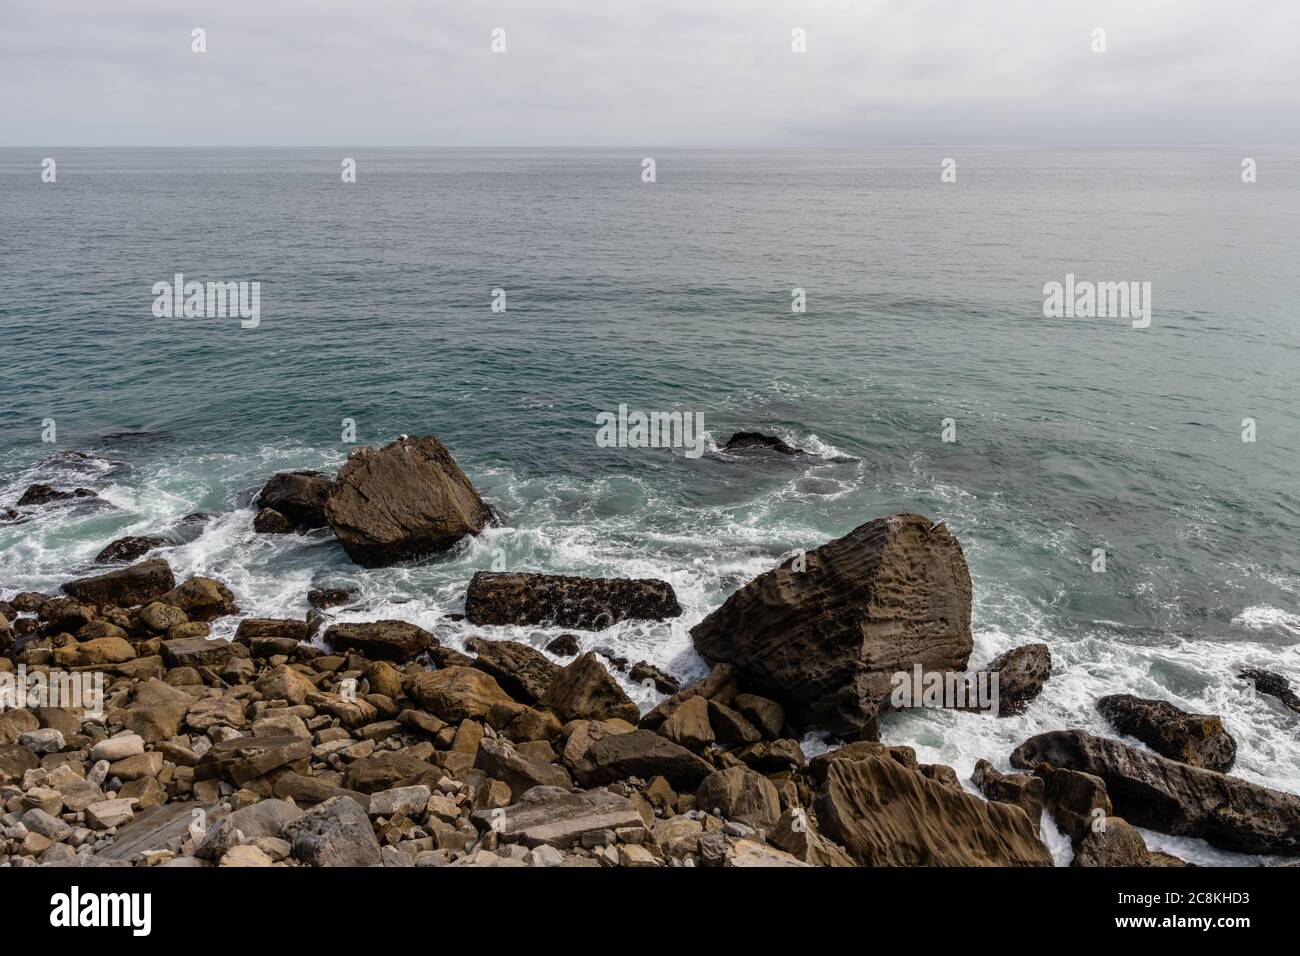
(403, 501)
(743, 440)
(43, 494)
(825, 632)
(556, 600)
(130, 548)
(1196, 739)
(1171, 797)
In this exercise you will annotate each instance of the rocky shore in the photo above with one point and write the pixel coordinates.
(316, 742)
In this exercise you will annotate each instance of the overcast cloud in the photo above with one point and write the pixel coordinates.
(656, 73)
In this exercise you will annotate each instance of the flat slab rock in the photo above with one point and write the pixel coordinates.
(556, 817)
(397, 641)
(556, 600)
(1164, 795)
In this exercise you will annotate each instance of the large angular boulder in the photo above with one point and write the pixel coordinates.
(381, 640)
(825, 632)
(501, 761)
(334, 833)
(299, 496)
(641, 753)
(885, 814)
(584, 690)
(524, 672)
(125, 587)
(1196, 739)
(740, 794)
(557, 600)
(1171, 797)
(402, 501)
(243, 760)
(457, 693)
(202, 599)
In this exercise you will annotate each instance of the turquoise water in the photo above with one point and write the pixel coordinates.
(924, 303)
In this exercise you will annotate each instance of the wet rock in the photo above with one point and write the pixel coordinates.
(402, 501)
(299, 496)
(887, 815)
(130, 548)
(1171, 797)
(380, 640)
(584, 690)
(1113, 844)
(125, 587)
(566, 645)
(554, 600)
(643, 671)
(44, 494)
(641, 753)
(334, 833)
(745, 440)
(270, 521)
(1196, 739)
(202, 599)
(1267, 682)
(321, 598)
(1022, 672)
(522, 671)
(826, 640)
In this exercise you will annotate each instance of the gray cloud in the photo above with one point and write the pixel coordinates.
(668, 73)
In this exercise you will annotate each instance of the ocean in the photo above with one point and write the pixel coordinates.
(924, 320)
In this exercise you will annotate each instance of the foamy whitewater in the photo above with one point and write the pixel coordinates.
(1072, 434)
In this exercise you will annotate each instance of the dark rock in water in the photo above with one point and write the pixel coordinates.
(299, 496)
(885, 814)
(584, 690)
(197, 517)
(405, 500)
(742, 440)
(1113, 843)
(523, 672)
(9, 514)
(1171, 797)
(592, 604)
(566, 645)
(1196, 739)
(270, 521)
(1022, 672)
(1267, 682)
(44, 494)
(322, 598)
(381, 640)
(643, 754)
(127, 587)
(130, 548)
(645, 671)
(826, 640)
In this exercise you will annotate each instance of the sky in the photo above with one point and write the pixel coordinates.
(670, 73)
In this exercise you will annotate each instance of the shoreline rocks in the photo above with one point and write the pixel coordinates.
(1171, 797)
(1195, 739)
